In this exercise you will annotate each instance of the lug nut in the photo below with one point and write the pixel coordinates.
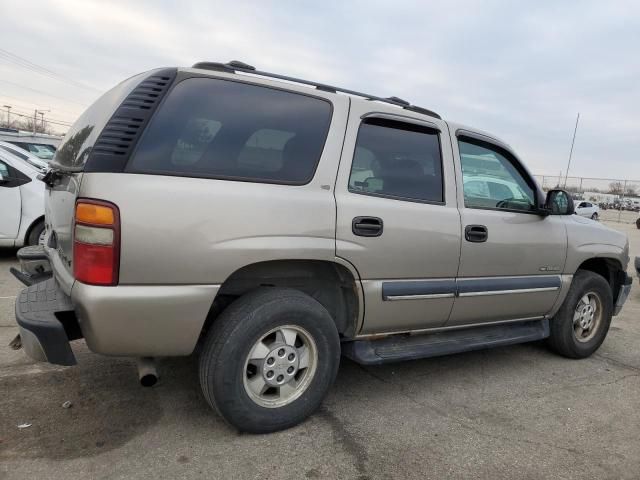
(291, 357)
(281, 352)
(290, 370)
(270, 374)
(270, 361)
(280, 378)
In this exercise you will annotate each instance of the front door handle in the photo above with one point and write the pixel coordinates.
(367, 226)
(476, 233)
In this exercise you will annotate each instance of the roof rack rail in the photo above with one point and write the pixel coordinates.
(237, 66)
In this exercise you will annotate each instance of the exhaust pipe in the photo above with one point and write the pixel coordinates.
(147, 373)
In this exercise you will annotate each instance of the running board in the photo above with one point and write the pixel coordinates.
(396, 348)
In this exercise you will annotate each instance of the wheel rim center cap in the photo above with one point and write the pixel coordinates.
(280, 365)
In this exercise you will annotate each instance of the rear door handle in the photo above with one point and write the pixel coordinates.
(476, 233)
(367, 226)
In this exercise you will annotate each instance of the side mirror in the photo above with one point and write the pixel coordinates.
(559, 202)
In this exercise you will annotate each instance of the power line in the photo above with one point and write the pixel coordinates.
(30, 117)
(27, 112)
(33, 67)
(33, 105)
(43, 93)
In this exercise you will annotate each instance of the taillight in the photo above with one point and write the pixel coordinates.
(96, 242)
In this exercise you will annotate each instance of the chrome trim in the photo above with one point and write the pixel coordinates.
(420, 297)
(444, 329)
(508, 292)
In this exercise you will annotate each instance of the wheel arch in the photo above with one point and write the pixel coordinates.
(25, 238)
(333, 284)
(609, 268)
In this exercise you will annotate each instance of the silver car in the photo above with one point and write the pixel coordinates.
(273, 224)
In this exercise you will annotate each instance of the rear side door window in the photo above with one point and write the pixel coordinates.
(397, 160)
(225, 129)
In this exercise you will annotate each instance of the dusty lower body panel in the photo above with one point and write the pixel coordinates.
(142, 320)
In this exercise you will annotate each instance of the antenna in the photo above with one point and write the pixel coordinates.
(573, 141)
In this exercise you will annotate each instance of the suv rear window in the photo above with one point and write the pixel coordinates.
(225, 129)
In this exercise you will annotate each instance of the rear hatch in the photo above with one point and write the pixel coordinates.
(99, 141)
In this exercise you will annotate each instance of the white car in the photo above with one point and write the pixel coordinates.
(588, 209)
(484, 186)
(22, 154)
(21, 202)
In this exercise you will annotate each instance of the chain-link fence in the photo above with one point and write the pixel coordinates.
(618, 199)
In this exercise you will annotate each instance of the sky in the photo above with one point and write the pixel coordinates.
(520, 70)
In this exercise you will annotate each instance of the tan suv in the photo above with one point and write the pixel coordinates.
(273, 224)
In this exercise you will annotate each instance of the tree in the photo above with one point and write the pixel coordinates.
(26, 124)
(616, 188)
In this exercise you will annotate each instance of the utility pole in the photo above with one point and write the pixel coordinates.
(42, 112)
(35, 114)
(571, 151)
(8, 107)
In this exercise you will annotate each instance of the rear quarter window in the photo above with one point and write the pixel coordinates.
(216, 128)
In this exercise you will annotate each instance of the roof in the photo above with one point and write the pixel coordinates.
(235, 66)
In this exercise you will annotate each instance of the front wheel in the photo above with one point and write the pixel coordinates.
(594, 216)
(582, 323)
(269, 360)
(638, 223)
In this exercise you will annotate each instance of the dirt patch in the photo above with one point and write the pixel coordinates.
(108, 410)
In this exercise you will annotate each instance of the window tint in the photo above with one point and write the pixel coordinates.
(224, 129)
(397, 159)
(491, 180)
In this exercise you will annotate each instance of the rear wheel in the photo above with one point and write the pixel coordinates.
(36, 235)
(269, 360)
(582, 323)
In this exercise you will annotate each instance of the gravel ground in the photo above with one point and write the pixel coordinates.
(515, 412)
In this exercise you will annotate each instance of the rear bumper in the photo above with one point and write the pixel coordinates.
(625, 289)
(44, 336)
(127, 320)
(142, 320)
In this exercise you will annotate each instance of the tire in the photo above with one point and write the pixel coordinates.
(594, 216)
(638, 223)
(34, 234)
(226, 371)
(564, 334)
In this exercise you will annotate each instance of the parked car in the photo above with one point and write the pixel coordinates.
(21, 202)
(280, 224)
(41, 145)
(588, 209)
(486, 186)
(24, 155)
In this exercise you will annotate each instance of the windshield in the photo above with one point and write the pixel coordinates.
(24, 156)
(40, 150)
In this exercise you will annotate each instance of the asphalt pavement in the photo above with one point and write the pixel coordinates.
(514, 412)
